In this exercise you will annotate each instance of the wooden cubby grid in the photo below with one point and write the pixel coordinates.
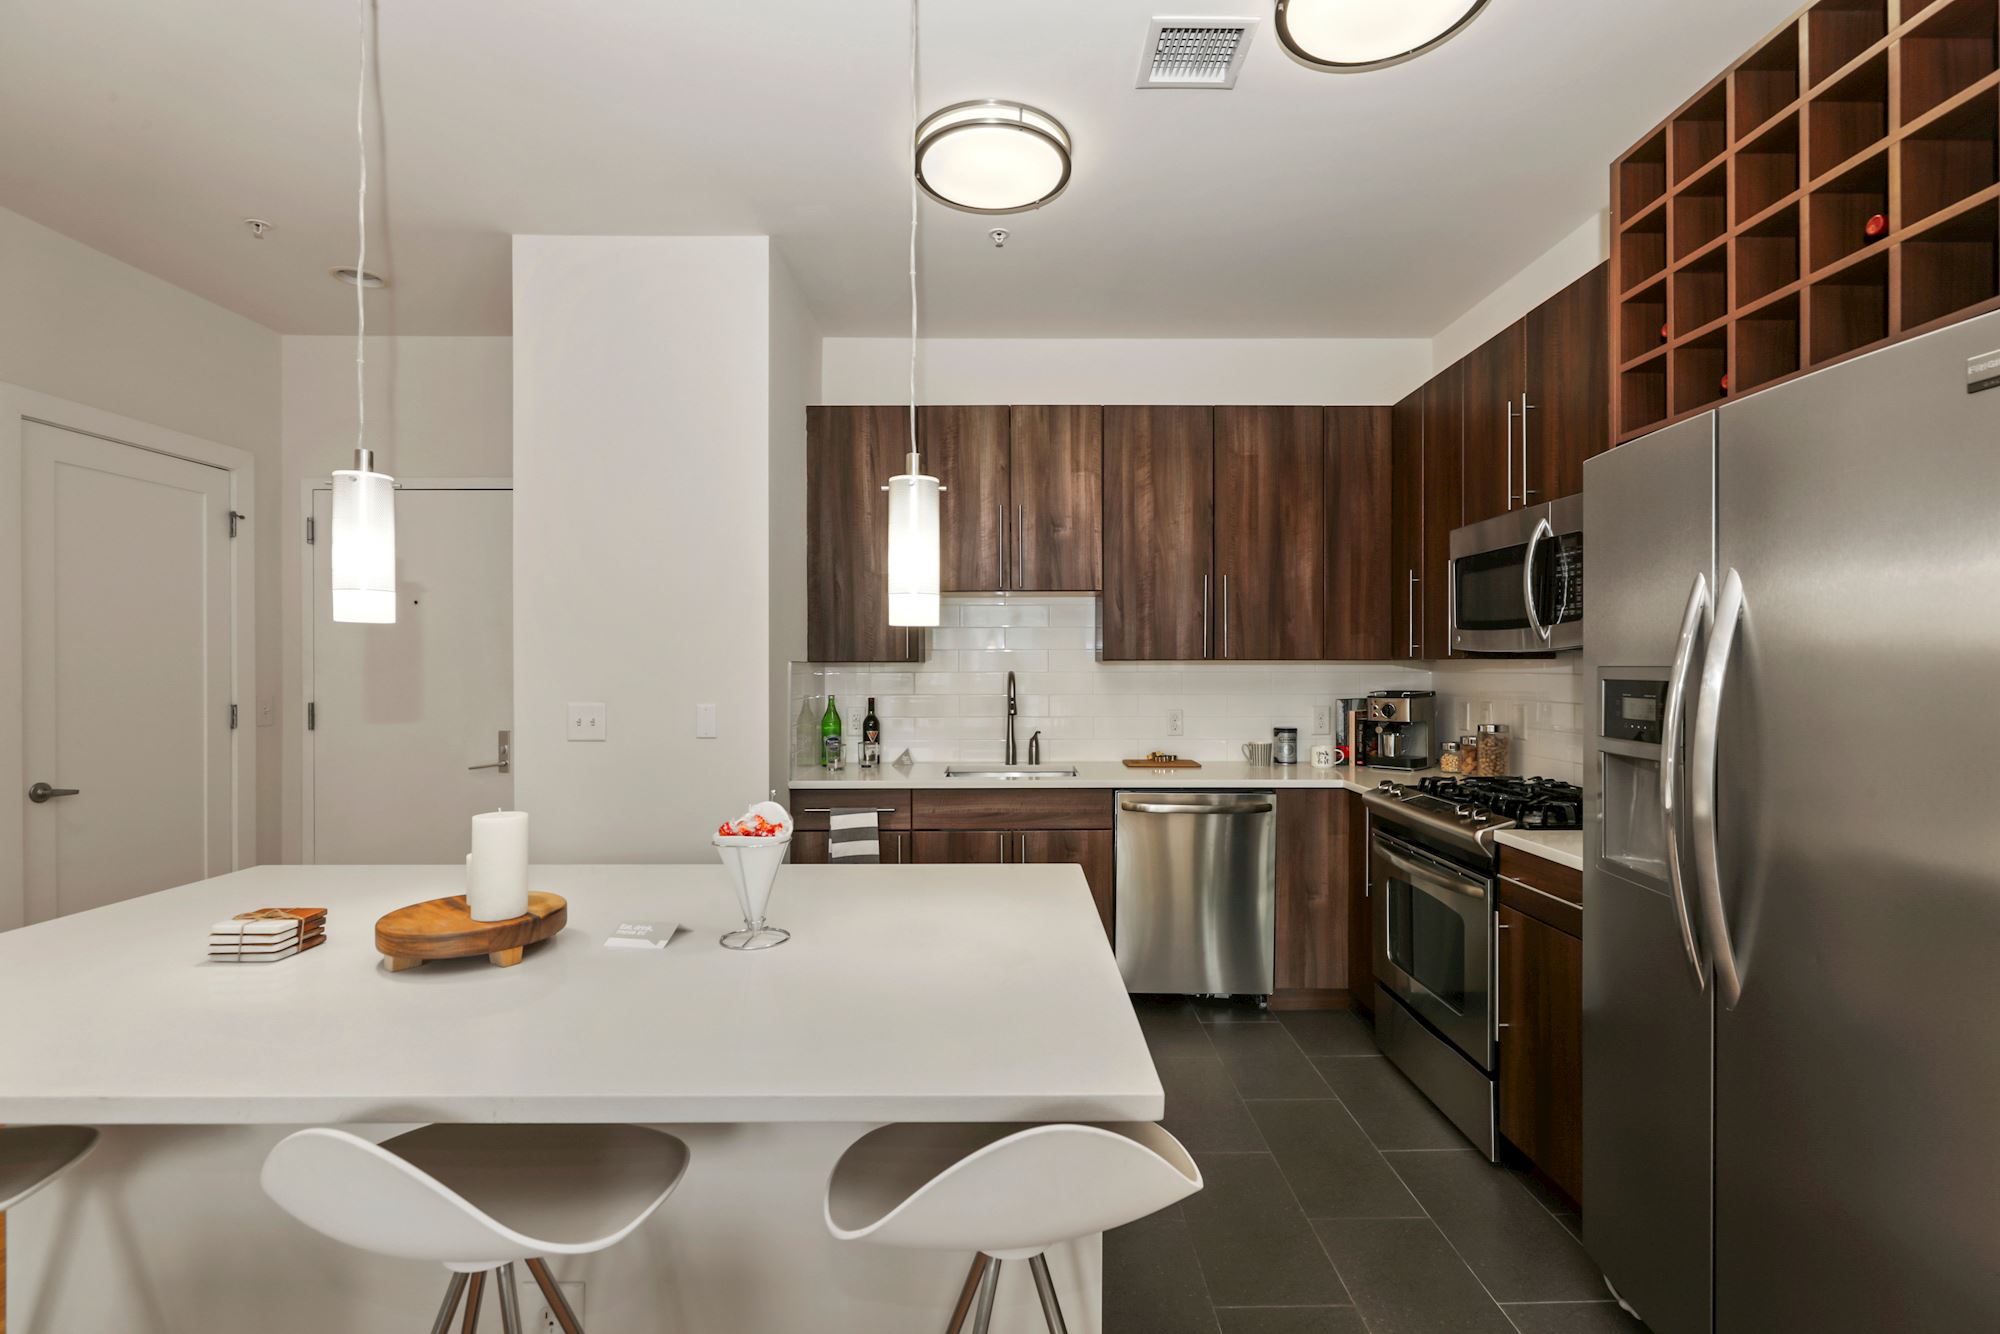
(1741, 246)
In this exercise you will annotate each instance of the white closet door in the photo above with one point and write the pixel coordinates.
(128, 601)
(402, 712)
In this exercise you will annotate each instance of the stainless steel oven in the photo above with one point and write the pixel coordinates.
(1434, 941)
(1517, 581)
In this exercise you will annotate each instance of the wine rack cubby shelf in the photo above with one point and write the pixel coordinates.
(1835, 190)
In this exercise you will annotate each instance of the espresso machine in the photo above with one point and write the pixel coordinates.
(1396, 729)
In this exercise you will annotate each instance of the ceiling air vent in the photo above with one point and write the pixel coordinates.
(1194, 53)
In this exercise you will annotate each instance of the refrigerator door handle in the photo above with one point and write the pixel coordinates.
(1542, 530)
(1692, 621)
(1701, 783)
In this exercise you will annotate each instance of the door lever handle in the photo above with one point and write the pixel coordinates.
(504, 763)
(42, 792)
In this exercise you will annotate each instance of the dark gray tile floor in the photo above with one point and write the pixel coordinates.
(1338, 1200)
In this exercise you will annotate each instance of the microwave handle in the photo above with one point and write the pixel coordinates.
(1542, 530)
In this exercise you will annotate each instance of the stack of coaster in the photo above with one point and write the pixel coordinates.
(267, 935)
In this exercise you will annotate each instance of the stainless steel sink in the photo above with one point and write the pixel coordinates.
(1010, 775)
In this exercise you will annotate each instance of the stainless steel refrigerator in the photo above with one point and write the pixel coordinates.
(1791, 1037)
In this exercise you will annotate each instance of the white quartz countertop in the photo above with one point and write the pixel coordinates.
(1562, 846)
(974, 993)
(1109, 773)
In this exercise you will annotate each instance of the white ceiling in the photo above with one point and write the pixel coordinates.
(1301, 204)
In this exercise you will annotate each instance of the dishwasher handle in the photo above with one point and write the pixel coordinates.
(1173, 808)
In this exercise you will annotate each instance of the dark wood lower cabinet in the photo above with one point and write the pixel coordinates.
(1540, 982)
(1087, 848)
(809, 848)
(1315, 829)
(957, 847)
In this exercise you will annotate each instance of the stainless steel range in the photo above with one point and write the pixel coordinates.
(1432, 868)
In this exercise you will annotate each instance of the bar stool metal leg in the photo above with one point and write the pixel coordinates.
(1045, 1288)
(510, 1301)
(552, 1294)
(989, 1283)
(452, 1291)
(473, 1293)
(973, 1275)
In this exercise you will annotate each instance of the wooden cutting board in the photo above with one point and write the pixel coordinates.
(1163, 764)
(444, 929)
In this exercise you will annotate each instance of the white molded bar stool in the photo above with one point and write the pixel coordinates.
(1004, 1192)
(33, 1156)
(477, 1198)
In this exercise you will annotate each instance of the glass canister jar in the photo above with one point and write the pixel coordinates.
(1448, 758)
(1494, 746)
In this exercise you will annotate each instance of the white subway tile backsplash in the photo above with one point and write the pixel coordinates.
(1541, 705)
(952, 706)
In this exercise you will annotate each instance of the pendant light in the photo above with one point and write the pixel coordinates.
(1355, 35)
(363, 551)
(913, 495)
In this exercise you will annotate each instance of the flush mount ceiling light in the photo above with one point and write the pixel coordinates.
(1368, 34)
(359, 278)
(992, 156)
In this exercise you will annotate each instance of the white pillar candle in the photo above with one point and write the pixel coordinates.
(496, 886)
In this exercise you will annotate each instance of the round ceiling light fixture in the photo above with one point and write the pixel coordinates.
(1368, 34)
(992, 156)
(359, 277)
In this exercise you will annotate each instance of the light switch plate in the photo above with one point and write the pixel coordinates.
(704, 720)
(1323, 720)
(586, 722)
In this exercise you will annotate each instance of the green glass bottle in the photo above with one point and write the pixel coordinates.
(829, 737)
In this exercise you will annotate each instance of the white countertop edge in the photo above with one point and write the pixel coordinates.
(1111, 774)
(1561, 846)
(748, 1109)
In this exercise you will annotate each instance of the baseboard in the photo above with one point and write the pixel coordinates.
(1304, 998)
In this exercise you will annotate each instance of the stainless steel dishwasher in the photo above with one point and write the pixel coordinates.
(1197, 892)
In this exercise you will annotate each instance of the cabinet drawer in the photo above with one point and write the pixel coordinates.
(1545, 890)
(1015, 809)
(810, 807)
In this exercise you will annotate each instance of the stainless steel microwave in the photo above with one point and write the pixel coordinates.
(1517, 581)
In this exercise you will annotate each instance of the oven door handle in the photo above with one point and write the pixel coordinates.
(1432, 869)
(1542, 530)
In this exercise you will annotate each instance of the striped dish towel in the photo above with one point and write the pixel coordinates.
(853, 837)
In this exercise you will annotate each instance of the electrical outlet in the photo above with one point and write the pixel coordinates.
(535, 1312)
(1176, 722)
(704, 720)
(1323, 720)
(586, 722)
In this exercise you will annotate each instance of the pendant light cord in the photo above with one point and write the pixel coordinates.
(913, 236)
(361, 240)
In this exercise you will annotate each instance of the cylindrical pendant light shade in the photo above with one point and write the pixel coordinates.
(913, 549)
(364, 546)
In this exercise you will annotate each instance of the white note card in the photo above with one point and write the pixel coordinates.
(641, 936)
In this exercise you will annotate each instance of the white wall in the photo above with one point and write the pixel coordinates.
(642, 560)
(795, 377)
(1126, 370)
(437, 407)
(1562, 264)
(80, 325)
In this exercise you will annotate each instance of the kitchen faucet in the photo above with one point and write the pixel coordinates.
(1012, 709)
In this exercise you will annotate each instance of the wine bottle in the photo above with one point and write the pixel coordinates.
(871, 727)
(829, 736)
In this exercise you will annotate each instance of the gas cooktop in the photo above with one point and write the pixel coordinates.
(1467, 812)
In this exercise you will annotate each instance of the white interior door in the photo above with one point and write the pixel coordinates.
(402, 712)
(128, 603)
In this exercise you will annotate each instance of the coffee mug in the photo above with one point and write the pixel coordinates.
(1257, 752)
(1322, 757)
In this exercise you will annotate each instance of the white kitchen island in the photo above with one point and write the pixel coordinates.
(959, 993)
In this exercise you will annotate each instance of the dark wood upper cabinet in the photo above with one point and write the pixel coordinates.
(967, 449)
(850, 453)
(1496, 374)
(1443, 443)
(1406, 526)
(1269, 534)
(1569, 419)
(1540, 1076)
(1158, 522)
(1357, 499)
(1057, 473)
